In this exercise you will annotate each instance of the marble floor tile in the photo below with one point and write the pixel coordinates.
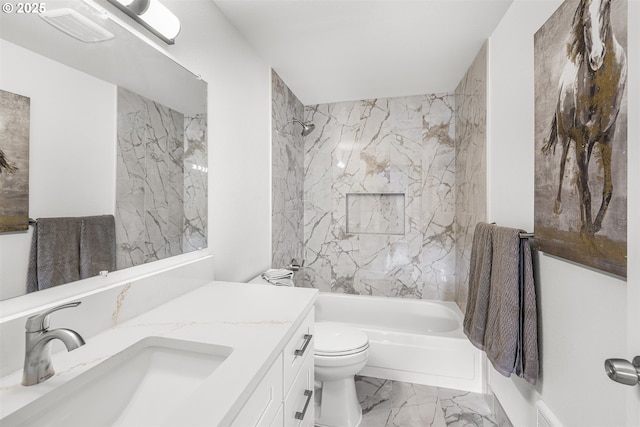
(388, 403)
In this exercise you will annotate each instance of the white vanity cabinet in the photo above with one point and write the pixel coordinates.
(298, 376)
(265, 403)
(284, 397)
(298, 404)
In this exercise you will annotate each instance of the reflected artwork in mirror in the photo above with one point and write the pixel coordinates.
(14, 162)
(117, 127)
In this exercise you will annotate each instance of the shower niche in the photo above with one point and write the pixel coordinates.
(375, 213)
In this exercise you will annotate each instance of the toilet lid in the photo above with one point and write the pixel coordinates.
(334, 339)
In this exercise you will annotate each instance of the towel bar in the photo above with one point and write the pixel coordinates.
(523, 235)
(32, 221)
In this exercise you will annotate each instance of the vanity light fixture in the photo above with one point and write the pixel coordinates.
(152, 15)
(76, 25)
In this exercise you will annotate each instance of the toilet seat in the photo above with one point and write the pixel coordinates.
(336, 340)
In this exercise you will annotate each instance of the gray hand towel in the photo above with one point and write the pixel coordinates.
(97, 245)
(503, 318)
(501, 314)
(475, 319)
(529, 317)
(511, 337)
(55, 253)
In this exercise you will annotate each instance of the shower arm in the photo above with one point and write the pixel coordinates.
(307, 128)
(289, 122)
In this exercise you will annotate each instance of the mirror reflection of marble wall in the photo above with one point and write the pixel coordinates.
(195, 182)
(152, 167)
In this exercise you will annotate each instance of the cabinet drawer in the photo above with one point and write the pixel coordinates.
(264, 403)
(298, 405)
(298, 348)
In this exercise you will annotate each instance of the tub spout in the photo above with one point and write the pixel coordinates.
(294, 266)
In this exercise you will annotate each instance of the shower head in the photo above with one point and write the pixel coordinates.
(307, 128)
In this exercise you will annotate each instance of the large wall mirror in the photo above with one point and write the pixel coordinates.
(116, 127)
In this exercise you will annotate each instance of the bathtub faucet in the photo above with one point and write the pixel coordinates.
(294, 266)
(37, 359)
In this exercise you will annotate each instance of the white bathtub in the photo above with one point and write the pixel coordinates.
(413, 341)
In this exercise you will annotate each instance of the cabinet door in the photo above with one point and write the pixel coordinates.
(298, 405)
(278, 421)
(298, 348)
(264, 403)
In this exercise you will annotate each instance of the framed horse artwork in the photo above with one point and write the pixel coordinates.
(581, 134)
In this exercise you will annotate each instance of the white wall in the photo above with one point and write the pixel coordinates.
(73, 126)
(582, 312)
(239, 97)
(633, 284)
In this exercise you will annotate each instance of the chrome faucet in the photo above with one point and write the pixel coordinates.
(37, 358)
(294, 266)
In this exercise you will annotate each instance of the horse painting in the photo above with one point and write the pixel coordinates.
(581, 113)
(590, 93)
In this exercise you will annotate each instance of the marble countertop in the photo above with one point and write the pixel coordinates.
(255, 320)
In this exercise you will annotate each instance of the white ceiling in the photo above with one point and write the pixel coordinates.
(337, 50)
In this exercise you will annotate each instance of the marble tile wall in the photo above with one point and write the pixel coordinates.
(470, 167)
(287, 176)
(152, 182)
(396, 145)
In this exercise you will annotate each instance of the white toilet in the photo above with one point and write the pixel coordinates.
(340, 353)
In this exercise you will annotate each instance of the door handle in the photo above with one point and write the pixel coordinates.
(623, 371)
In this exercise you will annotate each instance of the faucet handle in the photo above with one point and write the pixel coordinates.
(40, 322)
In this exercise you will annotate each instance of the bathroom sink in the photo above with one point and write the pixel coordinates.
(140, 386)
